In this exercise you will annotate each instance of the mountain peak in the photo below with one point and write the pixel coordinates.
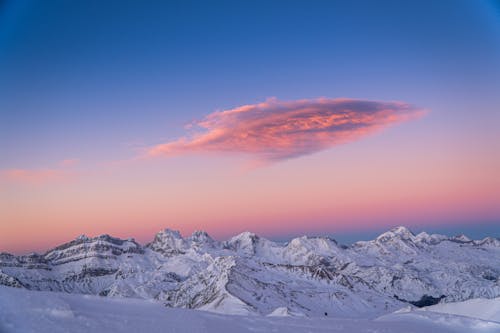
(168, 241)
(169, 233)
(433, 239)
(82, 237)
(401, 230)
(200, 237)
(489, 241)
(245, 242)
(397, 232)
(461, 238)
(246, 235)
(245, 238)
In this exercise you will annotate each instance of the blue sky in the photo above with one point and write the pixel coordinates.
(90, 83)
(123, 72)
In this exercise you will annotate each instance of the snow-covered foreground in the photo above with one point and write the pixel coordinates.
(486, 309)
(33, 311)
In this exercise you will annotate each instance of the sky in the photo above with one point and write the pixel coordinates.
(339, 118)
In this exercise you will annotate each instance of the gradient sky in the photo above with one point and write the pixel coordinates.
(126, 117)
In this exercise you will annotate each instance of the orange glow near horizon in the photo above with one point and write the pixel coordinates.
(347, 189)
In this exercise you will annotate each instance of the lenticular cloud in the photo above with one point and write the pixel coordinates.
(276, 130)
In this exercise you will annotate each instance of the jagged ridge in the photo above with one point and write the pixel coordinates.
(250, 274)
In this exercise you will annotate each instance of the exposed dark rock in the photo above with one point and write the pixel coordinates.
(426, 300)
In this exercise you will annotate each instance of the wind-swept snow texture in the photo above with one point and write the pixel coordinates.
(53, 312)
(250, 275)
(486, 309)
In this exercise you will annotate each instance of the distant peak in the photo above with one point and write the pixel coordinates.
(245, 237)
(489, 241)
(199, 233)
(200, 236)
(246, 234)
(170, 233)
(402, 231)
(168, 241)
(399, 232)
(433, 239)
(105, 237)
(82, 237)
(462, 238)
(245, 242)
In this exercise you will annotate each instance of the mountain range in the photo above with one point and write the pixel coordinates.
(248, 274)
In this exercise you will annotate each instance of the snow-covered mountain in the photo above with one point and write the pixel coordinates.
(248, 274)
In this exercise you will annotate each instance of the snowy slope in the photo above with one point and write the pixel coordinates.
(248, 274)
(24, 311)
(486, 309)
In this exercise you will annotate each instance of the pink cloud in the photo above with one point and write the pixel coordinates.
(69, 162)
(25, 176)
(276, 130)
(40, 176)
